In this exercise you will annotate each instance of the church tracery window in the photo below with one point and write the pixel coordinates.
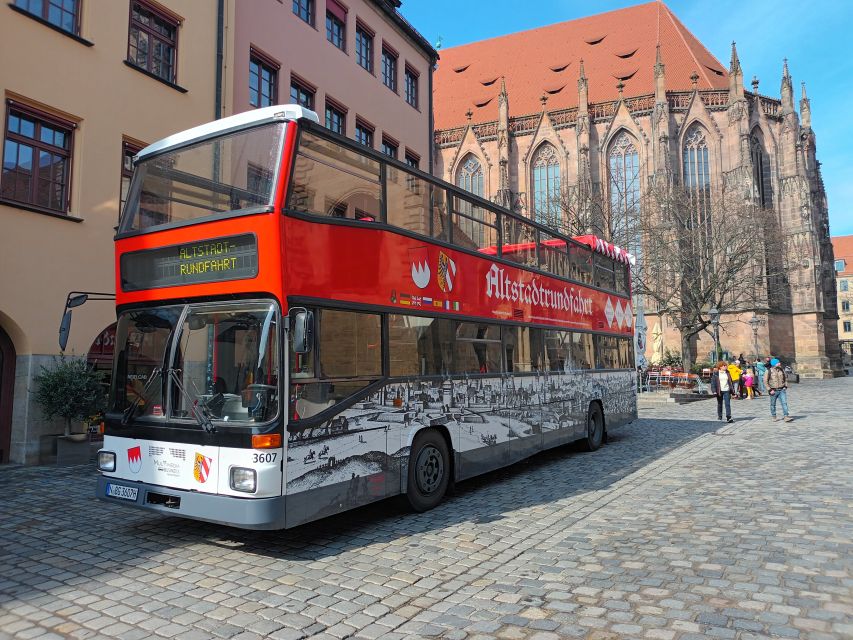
(761, 168)
(623, 163)
(546, 186)
(696, 171)
(469, 176)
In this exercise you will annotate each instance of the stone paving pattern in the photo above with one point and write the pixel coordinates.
(681, 527)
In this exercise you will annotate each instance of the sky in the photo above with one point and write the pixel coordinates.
(814, 36)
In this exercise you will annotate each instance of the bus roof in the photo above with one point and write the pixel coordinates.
(276, 112)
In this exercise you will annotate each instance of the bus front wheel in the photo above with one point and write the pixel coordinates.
(429, 470)
(594, 428)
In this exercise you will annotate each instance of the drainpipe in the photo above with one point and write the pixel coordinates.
(220, 46)
(431, 143)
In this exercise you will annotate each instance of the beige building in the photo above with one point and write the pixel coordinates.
(102, 79)
(106, 77)
(357, 63)
(842, 247)
(602, 106)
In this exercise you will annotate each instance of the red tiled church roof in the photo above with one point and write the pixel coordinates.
(614, 46)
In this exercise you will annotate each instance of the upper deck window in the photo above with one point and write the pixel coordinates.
(210, 178)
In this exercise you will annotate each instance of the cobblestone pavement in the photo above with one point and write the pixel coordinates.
(678, 528)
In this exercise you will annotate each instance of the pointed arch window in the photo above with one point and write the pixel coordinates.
(469, 176)
(697, 172)
(546, 186)
(761, 168)
(623, 164)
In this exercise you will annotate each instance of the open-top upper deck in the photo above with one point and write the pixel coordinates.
(360, 228)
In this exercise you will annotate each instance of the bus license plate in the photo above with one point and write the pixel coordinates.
(119, 491)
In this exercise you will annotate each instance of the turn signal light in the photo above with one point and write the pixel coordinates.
(266, 441)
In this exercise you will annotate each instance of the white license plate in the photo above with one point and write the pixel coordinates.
(120, 491)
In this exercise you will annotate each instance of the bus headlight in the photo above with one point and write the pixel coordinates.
(106, 461)
(242, 479)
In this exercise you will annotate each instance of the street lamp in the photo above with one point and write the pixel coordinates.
(754, 322)
(715, 321)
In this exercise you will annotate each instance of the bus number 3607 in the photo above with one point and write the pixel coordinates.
(265, 457)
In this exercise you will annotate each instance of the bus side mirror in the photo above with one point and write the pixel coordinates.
(303, 331)
(64, 329)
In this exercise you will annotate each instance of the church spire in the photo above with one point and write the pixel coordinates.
(583, 89)
(787, 90)
(805, 109)
(735, 77)
(734, 65)
(660, 83)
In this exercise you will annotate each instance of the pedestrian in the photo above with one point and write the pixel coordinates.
(760, 370)
(735, 371)
(777, 386)
(748, 380)
(721, 386)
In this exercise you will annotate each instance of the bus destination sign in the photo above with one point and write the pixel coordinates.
(214, 260)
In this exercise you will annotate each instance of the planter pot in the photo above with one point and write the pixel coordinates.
(73, 449)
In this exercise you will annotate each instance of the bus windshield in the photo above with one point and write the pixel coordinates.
(228, 174)
(225, 361)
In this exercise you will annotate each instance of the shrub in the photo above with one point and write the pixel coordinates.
(671, 359)
(70, 390)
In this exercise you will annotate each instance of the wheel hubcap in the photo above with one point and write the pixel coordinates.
(429, 469)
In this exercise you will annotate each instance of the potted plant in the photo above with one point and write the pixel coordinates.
(73, 391)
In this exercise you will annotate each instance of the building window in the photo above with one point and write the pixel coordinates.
(411, 87)
(36, 160)
(263, 80)
(336, 118)
(336, 24)
(389, 69)
(842, 285)
(840, 265)
(546, 186)
(389, 147)
(845, 306)
(305, 10)
(301, 94)
(128, 150)
(847, 328)
(623, 167)
(760, 168)
(364, 133)
(364, 47)
(413, 160)
(153, 41)
(64, 14)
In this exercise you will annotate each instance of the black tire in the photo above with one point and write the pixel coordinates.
(594, 428)
(429, 471)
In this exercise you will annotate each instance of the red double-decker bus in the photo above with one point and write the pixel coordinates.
(305, 326)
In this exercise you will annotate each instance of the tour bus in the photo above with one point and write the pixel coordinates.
(305, 326)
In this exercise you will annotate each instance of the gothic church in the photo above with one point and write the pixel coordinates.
(616, 99)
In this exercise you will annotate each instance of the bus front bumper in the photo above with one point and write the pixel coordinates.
(245, 513)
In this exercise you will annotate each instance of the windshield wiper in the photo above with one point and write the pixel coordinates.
(142, 395)
(198, 410)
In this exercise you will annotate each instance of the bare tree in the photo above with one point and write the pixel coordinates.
(700, 253)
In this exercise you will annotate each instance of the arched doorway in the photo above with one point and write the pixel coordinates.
(7, 393)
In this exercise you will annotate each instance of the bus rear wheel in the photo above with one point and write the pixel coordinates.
(594, 428)
(429, 471)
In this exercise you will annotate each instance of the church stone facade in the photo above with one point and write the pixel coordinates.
(611, 103)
